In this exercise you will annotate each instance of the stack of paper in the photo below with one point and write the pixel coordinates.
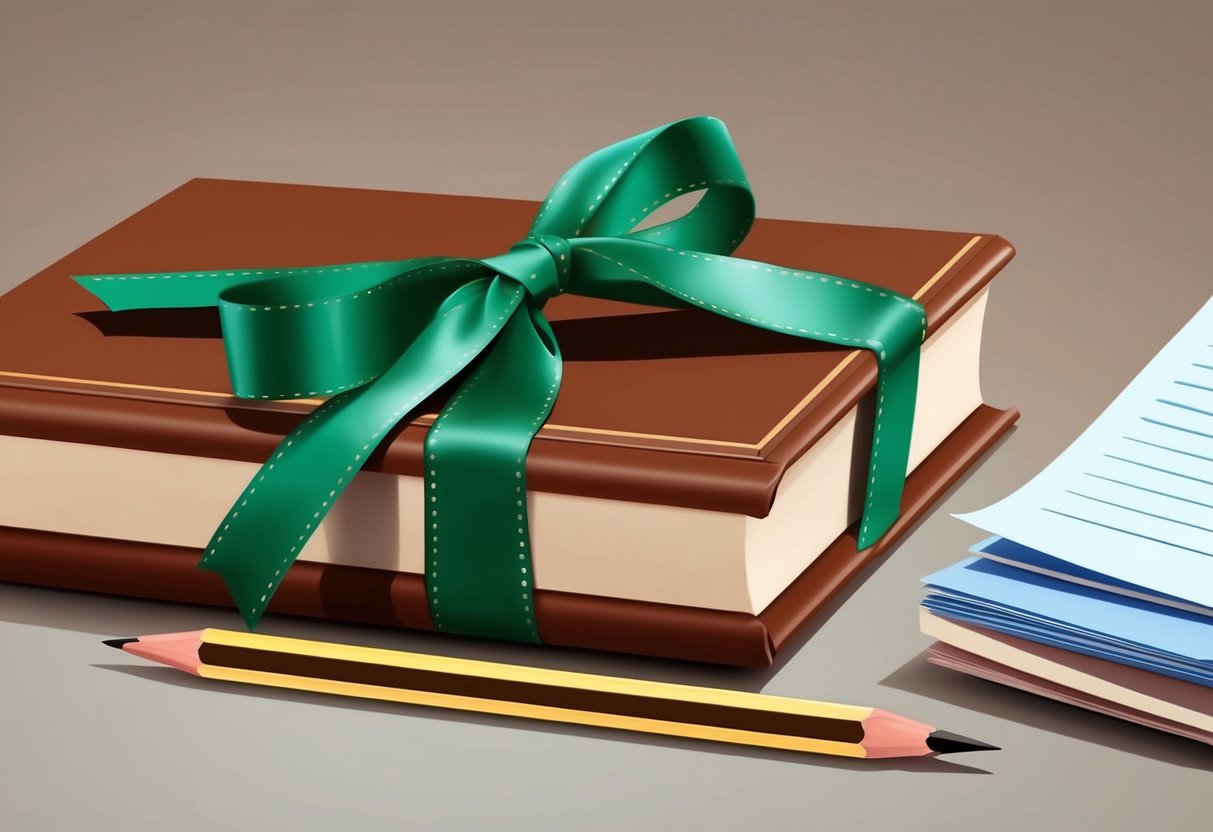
(1097, 586)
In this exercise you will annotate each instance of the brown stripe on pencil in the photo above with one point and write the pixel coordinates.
(456, 684)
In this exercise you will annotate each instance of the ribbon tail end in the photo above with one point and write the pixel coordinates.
(112, 295)
(250, 609)
(875, 525)
(89, 284)
(867, 539)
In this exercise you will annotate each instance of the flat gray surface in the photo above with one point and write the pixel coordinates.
(1078, 131)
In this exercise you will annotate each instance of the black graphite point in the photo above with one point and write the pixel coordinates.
(945, 742)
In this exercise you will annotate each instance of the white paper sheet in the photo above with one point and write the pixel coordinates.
(1132, 497)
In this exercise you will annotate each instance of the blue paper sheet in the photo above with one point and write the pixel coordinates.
(1132, 497)
(1082, 619)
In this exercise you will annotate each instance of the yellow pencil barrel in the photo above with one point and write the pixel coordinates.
(534, 675)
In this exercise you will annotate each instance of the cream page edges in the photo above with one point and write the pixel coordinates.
(1026, 661)
(584, 545)
(809, 506)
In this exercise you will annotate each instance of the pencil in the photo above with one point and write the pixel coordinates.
(537, 693)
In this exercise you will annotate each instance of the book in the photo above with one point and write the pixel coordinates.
(693, 470)
(1097, 585)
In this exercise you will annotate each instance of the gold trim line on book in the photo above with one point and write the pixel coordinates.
(924, 288)
(759, 446)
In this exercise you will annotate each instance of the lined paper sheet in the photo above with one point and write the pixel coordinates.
(1132, 497)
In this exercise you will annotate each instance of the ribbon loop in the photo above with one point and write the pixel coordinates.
(611, 191)
(380, 337)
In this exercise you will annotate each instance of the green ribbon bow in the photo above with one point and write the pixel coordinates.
(378, 338)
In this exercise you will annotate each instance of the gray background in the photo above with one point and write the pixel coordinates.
(1079, 131)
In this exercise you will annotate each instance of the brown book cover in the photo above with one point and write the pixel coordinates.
(674, 407)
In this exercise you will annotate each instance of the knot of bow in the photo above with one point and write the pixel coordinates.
(541, 263)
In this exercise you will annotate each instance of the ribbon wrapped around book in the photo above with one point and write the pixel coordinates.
(379, 337)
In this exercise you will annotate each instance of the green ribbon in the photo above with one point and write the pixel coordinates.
(378, 338)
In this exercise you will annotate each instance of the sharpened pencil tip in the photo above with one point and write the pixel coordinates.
(118, 643)
(945, 742)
